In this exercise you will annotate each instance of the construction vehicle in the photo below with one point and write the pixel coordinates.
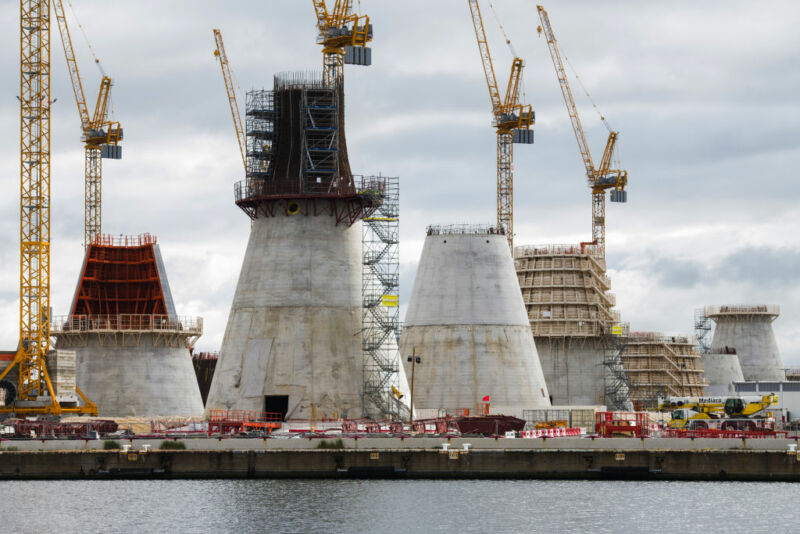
(101, 137)
(600, 178)
(513, 121)
(724, 413)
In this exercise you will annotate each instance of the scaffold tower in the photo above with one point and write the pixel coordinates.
(703, 330)
(381, 314)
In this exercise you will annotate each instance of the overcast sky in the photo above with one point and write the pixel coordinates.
(704, 95)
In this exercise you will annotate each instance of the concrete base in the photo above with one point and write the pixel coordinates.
(573, 369)
(138, 379)
(721, 371)
(489, 361)
(294, 324)
(467, 321)
(755, 344)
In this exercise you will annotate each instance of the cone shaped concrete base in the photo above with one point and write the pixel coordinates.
(467, 321)
(721, 371)
(293, 329)
(144, 378)
(748, 330)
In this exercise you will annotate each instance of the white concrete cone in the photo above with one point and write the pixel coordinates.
(748, 330)
(294, 325)
(467, 322)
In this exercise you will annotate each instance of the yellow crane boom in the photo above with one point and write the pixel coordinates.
(220, 54)
(512, 120)
(602, 178)
(101, 137)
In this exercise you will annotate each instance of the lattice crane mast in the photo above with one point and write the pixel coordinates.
(512, 120)
(344, 36)
(100, 136)
(34, 392)
(220, 54)
(600, 178)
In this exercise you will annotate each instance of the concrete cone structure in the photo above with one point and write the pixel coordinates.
(721, 371)
(467, 323)
(132, 349)
(292, 344)
(747, 330)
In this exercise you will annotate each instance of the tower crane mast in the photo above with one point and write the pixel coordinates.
(602, 178)
(220, 54)
(100, 136)
(512, 120)
(34, 392)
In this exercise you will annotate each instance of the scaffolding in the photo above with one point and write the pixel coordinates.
(381, 311)
(660, 366)
(260, 120)
(703, 330)
(617, 382)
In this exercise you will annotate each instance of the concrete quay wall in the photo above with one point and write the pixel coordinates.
(406, 463)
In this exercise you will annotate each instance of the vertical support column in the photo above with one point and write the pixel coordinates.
(93, 215)
(34, 196)
(505, 186)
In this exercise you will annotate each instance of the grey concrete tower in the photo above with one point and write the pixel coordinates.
(467, 321)
(722, 370)
(131, 347)
(747, 329)
(292, 343)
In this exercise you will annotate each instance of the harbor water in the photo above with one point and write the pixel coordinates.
(398, 506)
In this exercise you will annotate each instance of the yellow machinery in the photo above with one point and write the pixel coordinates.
(600, 178)
(100, 136)
(35, 393)
(220, 54)
(344, 36)
(695, 412)
(512, 120)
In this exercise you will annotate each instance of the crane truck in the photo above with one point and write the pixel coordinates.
(724, 413)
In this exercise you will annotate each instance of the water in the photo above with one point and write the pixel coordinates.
(398, 506)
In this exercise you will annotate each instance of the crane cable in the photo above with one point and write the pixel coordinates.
(94, 55)
(510, 47)
(586, 91)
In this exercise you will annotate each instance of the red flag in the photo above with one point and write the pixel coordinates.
(486, 398)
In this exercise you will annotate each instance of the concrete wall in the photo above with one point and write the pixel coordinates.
(295, 320)
(721, 370)
(467, 321)
(755, 344)
(573, 369)
(141, 379)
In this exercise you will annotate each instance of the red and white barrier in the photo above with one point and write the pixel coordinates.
(551, 433)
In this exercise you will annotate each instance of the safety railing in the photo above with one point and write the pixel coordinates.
(124, 240)
(742, 309)
(464, 229)
(73, 324)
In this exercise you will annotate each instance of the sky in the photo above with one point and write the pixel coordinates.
(704, 95)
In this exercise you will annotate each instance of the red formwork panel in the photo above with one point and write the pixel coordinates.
(120, 277)
(622, 424)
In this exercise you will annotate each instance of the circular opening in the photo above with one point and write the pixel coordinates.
(293, 208)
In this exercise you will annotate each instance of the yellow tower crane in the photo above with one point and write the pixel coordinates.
(344, 36)
(220, 54)
(34, 391)
(100, 136)
(602, 178)
(512, 120)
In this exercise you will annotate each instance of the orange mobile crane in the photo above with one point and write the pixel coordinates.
(101, 137)
(512, 120)
(34, 392)
(602, 178)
